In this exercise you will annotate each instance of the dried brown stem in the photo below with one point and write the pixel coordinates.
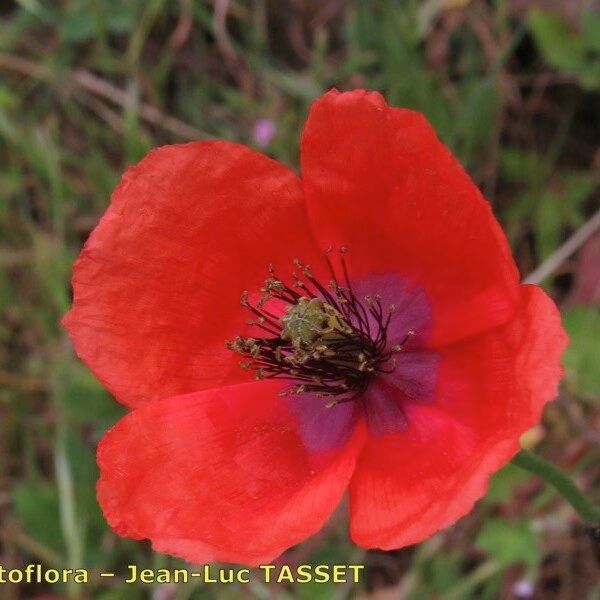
(562, 253)
(85, 80)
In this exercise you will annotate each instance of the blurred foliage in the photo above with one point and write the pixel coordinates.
(546, 200)
(460, 100)
(572, 52)
(581, 360)
(510, 543)
(88, 86)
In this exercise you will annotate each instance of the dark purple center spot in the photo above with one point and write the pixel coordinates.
(410, 377)
(351, 348)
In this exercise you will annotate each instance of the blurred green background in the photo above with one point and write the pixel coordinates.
(88, 86)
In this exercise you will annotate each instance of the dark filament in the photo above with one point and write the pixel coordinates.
(330, 342)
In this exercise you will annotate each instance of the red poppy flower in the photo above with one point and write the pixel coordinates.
(391, 350)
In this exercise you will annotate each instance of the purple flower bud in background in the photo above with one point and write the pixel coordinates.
(524, 588)
(263, 131)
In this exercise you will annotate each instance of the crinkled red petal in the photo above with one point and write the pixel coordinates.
(378, 180)
(158, 284)
(490, 390)
(220, 475)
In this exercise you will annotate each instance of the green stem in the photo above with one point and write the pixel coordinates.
(561, 482)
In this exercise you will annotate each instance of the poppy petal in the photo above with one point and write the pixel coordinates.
(490, 390)
(412, 312)
(157, 287)
(322, 426)
(383, 411)
(220, 475)
(379, 181)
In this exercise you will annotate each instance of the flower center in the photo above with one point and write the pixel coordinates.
(328, 341)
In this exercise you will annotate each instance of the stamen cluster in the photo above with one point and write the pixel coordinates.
(329, 341)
